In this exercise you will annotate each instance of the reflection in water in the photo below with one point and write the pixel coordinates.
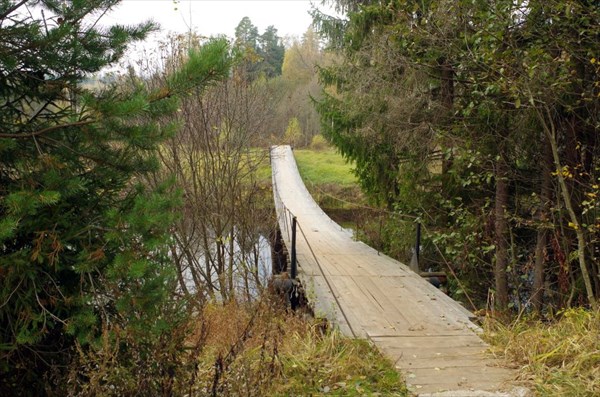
(245, 268)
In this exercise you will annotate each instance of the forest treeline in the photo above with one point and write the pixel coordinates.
(481, 120)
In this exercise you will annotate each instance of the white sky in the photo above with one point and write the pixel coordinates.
(212, 17)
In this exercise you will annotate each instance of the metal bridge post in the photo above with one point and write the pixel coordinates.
(414, 262)
(418, 242)
(294, 269)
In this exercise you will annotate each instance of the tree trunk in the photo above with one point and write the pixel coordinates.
(231, 266)
(179, 266)
(565, 192)
(447, 84)
(537, 297)
(501, 229)
(447, 100)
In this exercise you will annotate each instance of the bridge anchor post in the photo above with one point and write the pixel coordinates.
(414, 262)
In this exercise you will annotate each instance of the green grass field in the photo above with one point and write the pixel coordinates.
(324, 167)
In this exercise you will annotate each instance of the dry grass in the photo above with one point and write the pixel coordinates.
(262, 350)
(333, 365)
(559, 358)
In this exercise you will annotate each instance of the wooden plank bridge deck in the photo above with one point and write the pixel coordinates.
(368, 295)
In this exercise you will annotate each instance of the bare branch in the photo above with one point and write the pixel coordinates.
(11, 9)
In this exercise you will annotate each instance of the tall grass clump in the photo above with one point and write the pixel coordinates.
(262, 349)
(560, 357)
(330, 364)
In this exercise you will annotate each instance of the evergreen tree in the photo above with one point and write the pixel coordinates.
(83, 262)
(263, 54)
(246, 42)
(246, 35)
(271, 51)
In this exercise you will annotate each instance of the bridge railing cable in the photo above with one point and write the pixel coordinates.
(337, 302)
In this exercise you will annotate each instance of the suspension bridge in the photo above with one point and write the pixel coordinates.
(430, 337)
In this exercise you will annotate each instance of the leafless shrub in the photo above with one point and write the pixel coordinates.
(218, 245)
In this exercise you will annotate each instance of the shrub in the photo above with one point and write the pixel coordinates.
(318, 142)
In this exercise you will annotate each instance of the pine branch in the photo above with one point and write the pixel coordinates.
(11, 9)
(46, 130)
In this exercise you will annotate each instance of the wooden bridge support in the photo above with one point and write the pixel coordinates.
(279, 256)
(283, 283)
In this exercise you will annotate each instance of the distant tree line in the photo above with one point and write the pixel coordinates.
(290, 77)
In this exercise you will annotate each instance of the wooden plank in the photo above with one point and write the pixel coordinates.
(408, 363)
(461, 376)
(354, 301)
(459, 388)
(323, 302)
(373, 266)
(431, 341)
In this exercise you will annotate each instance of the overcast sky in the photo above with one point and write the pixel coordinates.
(212, 17)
